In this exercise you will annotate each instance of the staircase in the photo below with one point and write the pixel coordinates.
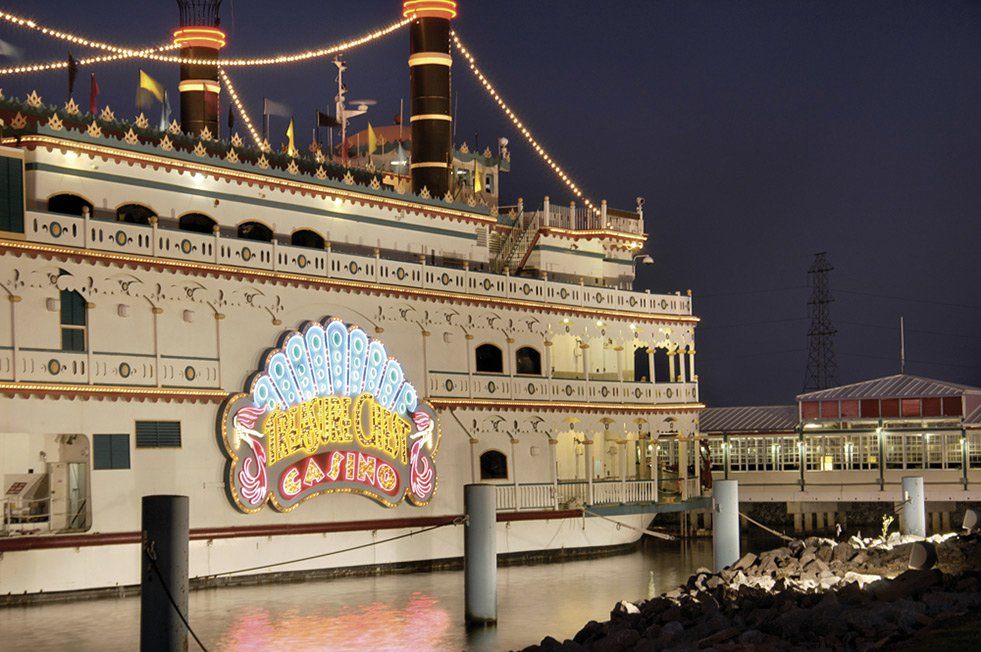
(517, 246)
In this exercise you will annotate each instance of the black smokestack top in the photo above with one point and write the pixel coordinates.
(199, 13)
(430, 83)
(199, 38)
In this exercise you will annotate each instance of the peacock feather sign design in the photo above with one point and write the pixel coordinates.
(330, 411)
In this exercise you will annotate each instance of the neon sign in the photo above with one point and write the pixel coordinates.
(329, 412)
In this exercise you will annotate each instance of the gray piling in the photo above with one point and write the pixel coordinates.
(480, 554)
(163, 563)
(725, 523)
(914, 507)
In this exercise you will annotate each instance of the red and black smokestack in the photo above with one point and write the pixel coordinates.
(430, 68)
(199, 38)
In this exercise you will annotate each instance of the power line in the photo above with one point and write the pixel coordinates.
(752, 323)
(895, 298)
(926, 362)
(737, 294)
(912, 330)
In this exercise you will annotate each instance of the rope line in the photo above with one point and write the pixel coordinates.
(170, 597)
(653, 533)
(770, 530)
(457, 521)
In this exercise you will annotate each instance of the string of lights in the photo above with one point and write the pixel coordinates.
(232, 93)
(63, 63)
(518, 123)
(154, 53)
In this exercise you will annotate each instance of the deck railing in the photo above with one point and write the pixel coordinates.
(564, 494)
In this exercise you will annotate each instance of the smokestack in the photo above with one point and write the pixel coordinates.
(199, 38)
(429, 79)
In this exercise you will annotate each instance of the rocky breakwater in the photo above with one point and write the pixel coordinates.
(813, 594)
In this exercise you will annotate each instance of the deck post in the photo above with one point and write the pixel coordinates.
(914, 509)
(725, 523)
(163, 575)
(480, 554)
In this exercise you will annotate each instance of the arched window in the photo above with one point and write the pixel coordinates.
(662, 371)
(197, 222)
(493, 465)
(255, 231)
(134, 214)
(307, 238)
(642, 365)
(528, 361)
(69, 204)
(490, 359)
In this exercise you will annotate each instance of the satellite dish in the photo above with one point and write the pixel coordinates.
(364, 102)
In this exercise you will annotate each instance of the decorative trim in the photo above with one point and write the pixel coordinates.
(189, 85)
(286, 278)
(112, 392)
(429, 165)
(559, 406)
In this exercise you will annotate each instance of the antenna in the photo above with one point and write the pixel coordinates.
(902, 347)
(822, 365)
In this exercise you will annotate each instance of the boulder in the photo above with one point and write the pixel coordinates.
(744, 562)
(843, 552)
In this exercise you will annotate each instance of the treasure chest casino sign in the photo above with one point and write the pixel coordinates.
(330, 412)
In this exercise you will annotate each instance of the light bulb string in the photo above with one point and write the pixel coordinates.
(233, 94)
(518, 123)
(153, 53)
(84, 61)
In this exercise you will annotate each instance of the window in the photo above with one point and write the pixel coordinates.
(11, 194)
(662, 368)
(489, 359)
(528, 361)
(158, 434)
(489, 183)
(493, 466)
(255, 231)
(134, 214)
(69, 204)
(73, 321)
(197, 222)
(110, 452)
(307, 238)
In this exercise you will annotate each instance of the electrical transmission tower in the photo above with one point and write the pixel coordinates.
(822, 365)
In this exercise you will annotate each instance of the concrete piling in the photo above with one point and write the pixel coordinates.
(164, 577)
(914, 507)
(725, 523)
(480, 554)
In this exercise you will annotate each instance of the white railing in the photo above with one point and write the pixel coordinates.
(450, 384)
(118, 237)
(540, 495)
(108, 368)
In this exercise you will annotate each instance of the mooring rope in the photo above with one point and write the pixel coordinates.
(457, 521)
(653, 533)
(170, 597)
(770, 530)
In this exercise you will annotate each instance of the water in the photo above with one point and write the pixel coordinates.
(421, 611)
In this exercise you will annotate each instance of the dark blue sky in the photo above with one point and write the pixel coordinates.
(759, 132)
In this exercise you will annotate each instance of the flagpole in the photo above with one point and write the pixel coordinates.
(401, 114)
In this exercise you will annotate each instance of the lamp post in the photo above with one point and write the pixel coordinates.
(643, 259)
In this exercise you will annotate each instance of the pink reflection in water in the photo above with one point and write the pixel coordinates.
(421, 625)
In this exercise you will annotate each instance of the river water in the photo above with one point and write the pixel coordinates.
(421, 611)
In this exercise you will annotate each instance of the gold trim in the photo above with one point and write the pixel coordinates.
(498, 404)
(112, 390)
(430, 58)
(431, 116)
(189, 85)
(429, 165)
(290, 278)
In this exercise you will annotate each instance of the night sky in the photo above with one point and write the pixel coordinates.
(759, 133)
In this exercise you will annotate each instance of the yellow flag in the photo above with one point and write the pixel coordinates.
(152, 86)
(372, 140)
(291, 150)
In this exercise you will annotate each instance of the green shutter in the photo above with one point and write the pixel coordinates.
(158, 434)
(11, 195)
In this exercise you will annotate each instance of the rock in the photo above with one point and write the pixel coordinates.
(719, 637)
(713, 582)
(670, 632)
(906, 585)
(843, 552)
(744, 562)
(824, 553)
(624, 607)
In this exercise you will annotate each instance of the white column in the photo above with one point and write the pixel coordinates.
(623, 470)
(14, 346)
(468, 338)
(588, 443)
(218, 317)
(725, 523)
(603, 221)
(473, 458)
(914, 511)
(672, 377)
(682, 375)
(619, 363)
(547, 212)
(683, 465)
(552, 457)
(156, 343)
(650, 365)
(655, 466)
(691, 365)
(584, 347)
(514, 475)
(547, 358)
